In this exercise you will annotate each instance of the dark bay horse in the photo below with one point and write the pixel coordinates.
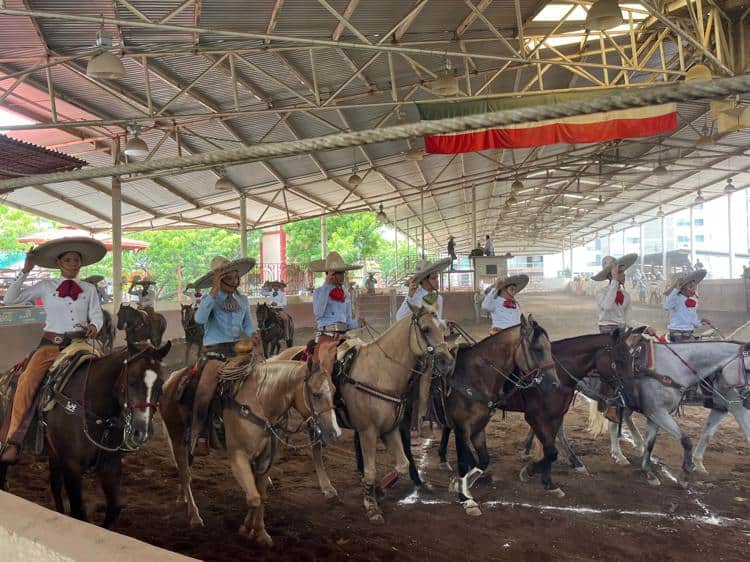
(106, 335)
(271, 328)
(193, 330)
(574, 359)
(138, 326)
(106, 408)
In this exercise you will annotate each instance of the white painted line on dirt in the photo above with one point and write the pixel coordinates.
(414, 496)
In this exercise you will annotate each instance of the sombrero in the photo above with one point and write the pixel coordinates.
(90, 250)
(93, 279)
(693, 278)
(277, 284)
(333, 262)
(223, 265)
(426, 268)
(146, 281)
(520, 281)
(608, 263)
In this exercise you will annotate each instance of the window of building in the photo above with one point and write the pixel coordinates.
(700, 238)
(698, 222)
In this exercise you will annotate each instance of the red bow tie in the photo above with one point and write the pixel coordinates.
(690, 303)
(337, 294)
(509, 303)
(69, 288)
(619, 298)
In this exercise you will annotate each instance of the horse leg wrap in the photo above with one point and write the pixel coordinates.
(472, 476)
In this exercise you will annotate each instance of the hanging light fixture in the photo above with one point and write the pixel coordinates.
(380, 216)
(511, 199)
(603, 15)
(136, 146)
(223, 183)
(414, 154)
(600, 201)
(659, 213)
(706, 140)
(105, 65)
(517, 184)
(447, 84)
(729, 187)
(699, 197)
(660, 170)
(354, 180)
(698, 73)
(632, 221)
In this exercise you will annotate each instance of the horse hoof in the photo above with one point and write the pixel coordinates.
(653, 481)
(330, 493)
(700, 468)
(582, 470)
(376, 518)
(445, 465)
(557, 492)
(245, 532)
(622, 461)
(453, 485)
(196, 521)
(264, 539)
(472, 508)
(524, 474)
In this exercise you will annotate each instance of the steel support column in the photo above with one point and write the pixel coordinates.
(729, 229)
(116, 231)
(663, 252)
(323, 238)
(243, 226)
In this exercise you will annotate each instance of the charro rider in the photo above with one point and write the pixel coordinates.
(613, 306)
(331, 304)
(682, 304)
(276, 299)
(225, 315)
(147, 303)
(73, 311)
(196, 295)
(501, 302)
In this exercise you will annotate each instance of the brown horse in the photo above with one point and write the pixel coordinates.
(106, 408)
(193, 330)
(252, 420)
(139, 326)
(106, 336)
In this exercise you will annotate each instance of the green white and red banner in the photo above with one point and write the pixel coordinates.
(582, 129)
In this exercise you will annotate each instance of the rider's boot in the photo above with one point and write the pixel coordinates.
(201, 404)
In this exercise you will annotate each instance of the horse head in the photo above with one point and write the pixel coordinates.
(122, 316)
(534, 355)
(186, 314)
(138, 392)
(316, 402)
(427, 338)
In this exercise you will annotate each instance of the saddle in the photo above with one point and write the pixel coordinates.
(342, 368)
(68, 362)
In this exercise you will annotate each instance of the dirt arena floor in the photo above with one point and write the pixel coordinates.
(610, 514)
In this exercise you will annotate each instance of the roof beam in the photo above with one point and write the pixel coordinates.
(469, 19)
(344, 20)
(408, 20)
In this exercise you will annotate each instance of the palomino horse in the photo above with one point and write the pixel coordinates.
(272, 330)
(112, 400)
(676, 367)
(137, 326)
(193, 330)
(575, 358)
(253, 418)
(376, 388)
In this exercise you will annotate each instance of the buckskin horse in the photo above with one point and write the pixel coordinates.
(254, 415)
(138, 327)
(193, 330)
(375, 389)
(105, 409)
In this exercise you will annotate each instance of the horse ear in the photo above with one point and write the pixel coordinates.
(412, 307)
(161, 353)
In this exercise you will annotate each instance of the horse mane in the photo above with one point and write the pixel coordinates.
(538, 332)
(275, 378)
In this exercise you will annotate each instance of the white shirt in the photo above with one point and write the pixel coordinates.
(278, 301)
(681, 317)
(149, 299)
(489, 248)
(502, 316)
(416, 300)
(611, 313)
(63, 314)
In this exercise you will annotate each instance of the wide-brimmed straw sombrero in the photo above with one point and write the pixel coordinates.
(93, 279)
(520, 281)
(425, 269)
(90, 250)
(333, 262)
(224, 265)
(146, 281)
(608, 264)
(693, 278)
(275, 284)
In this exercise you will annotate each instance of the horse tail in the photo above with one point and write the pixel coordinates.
(597, 423)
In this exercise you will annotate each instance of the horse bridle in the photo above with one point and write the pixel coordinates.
(535, 375)
(129, 408)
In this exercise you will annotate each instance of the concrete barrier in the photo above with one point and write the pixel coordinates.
(33, 533)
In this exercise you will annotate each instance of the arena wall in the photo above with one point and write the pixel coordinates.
(30, 532)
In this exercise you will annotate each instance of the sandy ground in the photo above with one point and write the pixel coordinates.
(611, 514)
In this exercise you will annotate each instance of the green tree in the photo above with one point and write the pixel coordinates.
(303, 241)
(15, 223)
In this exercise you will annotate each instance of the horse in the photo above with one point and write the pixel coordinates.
(676, 367)
(375, 389)
(138, 326)
(105, 409)
(193, 331)
(272, 330)
(106, 336)
(270, 389)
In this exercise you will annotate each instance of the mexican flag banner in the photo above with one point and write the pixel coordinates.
(582, 129)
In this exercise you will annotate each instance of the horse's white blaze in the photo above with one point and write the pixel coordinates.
(150, 379)
(336, 429)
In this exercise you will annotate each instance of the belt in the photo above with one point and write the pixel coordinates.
(223, 348)
(688, 332)
(337, 327)
(61, 339)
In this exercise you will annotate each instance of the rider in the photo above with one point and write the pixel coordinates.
(331, 304)
(147, 303)
(225, 314)
(505, 311)
(682, 304)
(613, 305)
(73, 310)
(276, 299)
(95, 280)
(195, 297)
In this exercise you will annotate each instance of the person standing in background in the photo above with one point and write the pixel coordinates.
(489, 247)
(451, 250)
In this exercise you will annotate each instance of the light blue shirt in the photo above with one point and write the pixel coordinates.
(328, 311)
(220, 325)
(681, 317)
